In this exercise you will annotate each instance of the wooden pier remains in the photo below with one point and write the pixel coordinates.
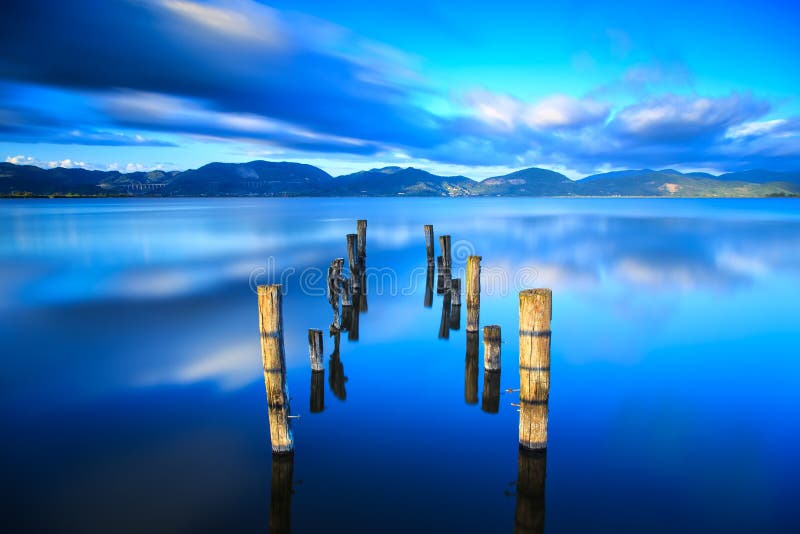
(429, 244)
(315, 349)
(361, 231)
(444, 324)
(352, 259)
(273, 357)
(491, 347)
(535, 313)
(473, 293)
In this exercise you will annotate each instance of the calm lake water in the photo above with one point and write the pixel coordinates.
(133, 396)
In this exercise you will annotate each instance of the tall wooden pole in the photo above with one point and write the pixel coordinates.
(535, 313)
(362, 243)
(429, 244)
(444, 244)
(352, 258)
(473, 293)
(274, 362)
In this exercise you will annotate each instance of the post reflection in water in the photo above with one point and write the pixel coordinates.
(490, 402)
(317, 391)
(280, 501)
(471, 369)
(336, 379)
(353, 316)
(455, 317)
(529, 515)
(429, 287)
(444, 324)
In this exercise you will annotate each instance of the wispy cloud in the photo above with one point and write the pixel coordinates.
(238, 70)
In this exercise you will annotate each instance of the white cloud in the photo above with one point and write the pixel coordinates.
(239, 19)
(750, 129)
(554, 111)
(21, 160)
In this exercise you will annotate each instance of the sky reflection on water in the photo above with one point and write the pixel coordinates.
(133, 394)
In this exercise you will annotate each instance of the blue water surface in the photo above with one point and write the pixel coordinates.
(132, 395)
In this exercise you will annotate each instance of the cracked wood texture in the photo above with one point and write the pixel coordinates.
(473, 293)
(273, 359)
(535, 312)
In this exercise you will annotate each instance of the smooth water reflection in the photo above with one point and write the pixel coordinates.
(133, 397)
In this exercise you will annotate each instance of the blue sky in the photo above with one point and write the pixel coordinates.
(475, 88)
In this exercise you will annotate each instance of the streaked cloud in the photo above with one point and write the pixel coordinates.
(155, 73)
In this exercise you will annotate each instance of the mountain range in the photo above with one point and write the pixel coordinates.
(268, 178)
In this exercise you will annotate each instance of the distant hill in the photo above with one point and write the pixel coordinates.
(268, 178)
(527, 182)
(391, 181)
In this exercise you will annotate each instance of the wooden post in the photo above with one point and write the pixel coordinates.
(491, 347)
(317, 401)
(444, 324)
(335, 289)
(455, 289)
(444, 244)
(531, 475)
(429, 287)
(315, 349)
(273, 358)
(471, 369)
(429, 243)
(347, 292)
(490, 402)
(280, 499)
(535, 312)
(362, 243)
(473, 293)
(352, 258)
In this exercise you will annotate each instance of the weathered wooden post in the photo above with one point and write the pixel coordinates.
(535, 313)
(447, 262)
(317, 401)
(531, 473)
(361, 226)
(347, 292)
(352, 258)
(491, 347)
(444, 244)
(473, 293)
(444, 324)
(273, 358)
(490, 402)
(429, 287)
(280, 499)
(335, 289)
(471, 369)
(315, 349)
(429, 243)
